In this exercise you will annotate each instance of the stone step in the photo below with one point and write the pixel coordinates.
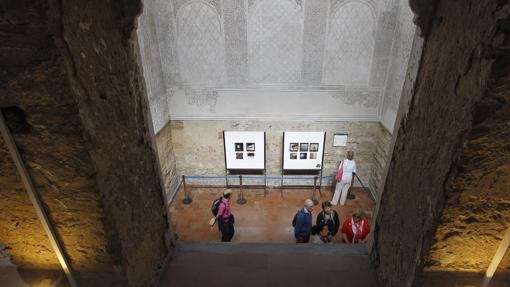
(273, 248)
(260, 264)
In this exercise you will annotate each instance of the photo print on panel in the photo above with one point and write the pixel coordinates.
(313, 155)
(302, 155)
(250, 146)
(314, 147)
(303, 147)
(239, 155)
(293, 155)
(294, 146)
(251, 155)
(239, 146)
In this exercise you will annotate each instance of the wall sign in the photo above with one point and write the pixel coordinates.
(339, 139)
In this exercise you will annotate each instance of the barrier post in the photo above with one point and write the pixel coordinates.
(187, 199)
(241, 200)
(314, 196)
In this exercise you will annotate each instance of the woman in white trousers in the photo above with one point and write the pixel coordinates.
(342, 187)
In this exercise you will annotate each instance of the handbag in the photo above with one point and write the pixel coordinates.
(340, 172)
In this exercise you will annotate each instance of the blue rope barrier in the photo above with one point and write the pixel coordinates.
(211, 176)
(255, 177)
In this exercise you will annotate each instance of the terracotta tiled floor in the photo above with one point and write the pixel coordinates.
(262, 219)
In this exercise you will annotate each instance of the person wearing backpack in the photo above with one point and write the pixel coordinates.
(303, 223)
(225, 217)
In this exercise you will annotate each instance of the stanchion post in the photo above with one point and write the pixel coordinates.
(187, 199)
(241, 199)
(314, 197)
(350, 195)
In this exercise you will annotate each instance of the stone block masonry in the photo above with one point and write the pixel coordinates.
(198, 146)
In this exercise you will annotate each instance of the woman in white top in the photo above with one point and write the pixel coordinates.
(342, 186)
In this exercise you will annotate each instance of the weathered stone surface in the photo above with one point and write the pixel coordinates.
(451, 104)
(42, 115)
(19, 218)
(167, 160)
(380, 158)
(110, 94)
(477, 212)
(75, 102)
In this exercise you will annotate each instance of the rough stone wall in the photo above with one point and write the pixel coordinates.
(452, 82)
(199, 150)
(83, 131)
(109, 90)
(477, 212)
(19, 218)
(167, 160)
(48, 132)
(380, 158)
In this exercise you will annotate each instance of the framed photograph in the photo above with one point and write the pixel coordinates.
(250, 146)
(294, 146)
(303, 155)
(293, 155)
(314, 147)
(239, 155)
(239, 146)
(303, 147)
(251, 155)
(313, 155)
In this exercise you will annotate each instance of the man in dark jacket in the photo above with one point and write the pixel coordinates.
(303, 224)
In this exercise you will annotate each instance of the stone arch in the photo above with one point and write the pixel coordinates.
(200, 44)
(275, 29)
(350, 44)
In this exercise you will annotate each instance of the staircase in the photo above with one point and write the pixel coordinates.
(257, 264)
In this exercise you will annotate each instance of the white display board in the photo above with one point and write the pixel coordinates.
(244, 150)
(303, 150)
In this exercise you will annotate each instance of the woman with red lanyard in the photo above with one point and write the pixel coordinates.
(355, 229)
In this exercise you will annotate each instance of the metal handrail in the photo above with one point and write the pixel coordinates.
(367, 190)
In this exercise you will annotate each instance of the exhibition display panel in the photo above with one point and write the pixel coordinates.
(303, 154)
(244, 150)
(303, 150)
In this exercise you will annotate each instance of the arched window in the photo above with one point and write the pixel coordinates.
(275, 41)
(349, 45)
(200, 44)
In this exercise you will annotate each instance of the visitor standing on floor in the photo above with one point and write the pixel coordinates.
(225, 217)
(344, 178)
(355, 228)
(303, 223)
(328, 217)
(322, 234)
